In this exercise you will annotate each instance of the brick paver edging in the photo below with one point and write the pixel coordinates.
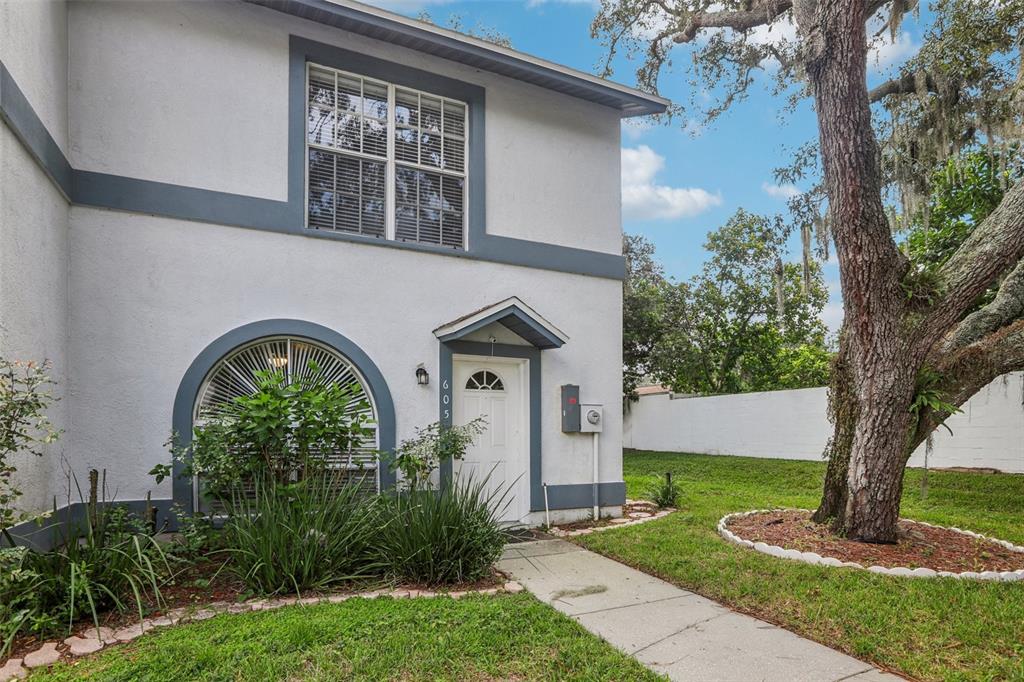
(902, 571)
(97, 639)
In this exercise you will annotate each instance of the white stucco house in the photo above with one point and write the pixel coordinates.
(193, 190)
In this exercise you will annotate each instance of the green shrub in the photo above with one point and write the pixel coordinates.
(417, 458)
(25, 395)
(108, 561)
(666, 493)
(279, 432)
(307, 535)
(444, 537)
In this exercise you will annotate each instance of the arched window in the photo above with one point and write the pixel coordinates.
(485, 380)
(297, 359)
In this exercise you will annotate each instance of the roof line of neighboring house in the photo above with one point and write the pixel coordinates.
(434, 40)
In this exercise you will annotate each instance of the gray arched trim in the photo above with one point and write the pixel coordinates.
(184, 400)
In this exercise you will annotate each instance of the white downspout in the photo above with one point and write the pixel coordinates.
(597, 441)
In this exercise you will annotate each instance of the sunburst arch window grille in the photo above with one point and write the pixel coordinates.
(484, 380)
(234, 375)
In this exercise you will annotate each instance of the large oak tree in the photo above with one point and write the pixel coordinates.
(914, 344)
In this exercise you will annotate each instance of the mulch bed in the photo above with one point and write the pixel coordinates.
(206, 583)
(919, 546)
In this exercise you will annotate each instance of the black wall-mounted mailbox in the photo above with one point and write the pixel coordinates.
(570, 408)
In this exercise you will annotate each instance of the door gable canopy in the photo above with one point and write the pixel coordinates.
(514, 315)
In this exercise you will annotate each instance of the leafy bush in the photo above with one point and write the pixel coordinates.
(418, 457)
(281, 431)
(444, 537)
(108, 561)
(307, 535)
(666, 493)
(25, 394)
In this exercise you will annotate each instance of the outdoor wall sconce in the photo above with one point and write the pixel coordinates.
(422, 377)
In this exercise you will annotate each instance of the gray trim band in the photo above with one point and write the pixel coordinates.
(188, 389)
(103, 190)
(46, 533)
(581, 495)
(21, 118)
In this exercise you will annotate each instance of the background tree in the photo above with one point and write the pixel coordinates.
(724, 331)
(642, 321)
(964, 85)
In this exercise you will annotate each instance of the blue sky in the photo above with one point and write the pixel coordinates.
(677, 185)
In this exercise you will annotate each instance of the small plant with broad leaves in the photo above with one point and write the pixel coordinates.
(26, 391)
(284, 430)
(417, 458)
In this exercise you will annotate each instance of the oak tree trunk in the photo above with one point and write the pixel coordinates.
(876, 370)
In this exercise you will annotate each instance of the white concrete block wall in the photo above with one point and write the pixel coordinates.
(34, 231)
(794, 425)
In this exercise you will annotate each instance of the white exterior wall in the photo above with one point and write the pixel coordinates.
(34, 231)
(198, 96)
(794, 425)
(148, 294)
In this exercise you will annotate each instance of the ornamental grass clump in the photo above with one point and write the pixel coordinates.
(444, 537)
(309, 535)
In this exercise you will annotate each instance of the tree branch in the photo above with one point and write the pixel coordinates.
(759, 14)
(1007, 307)
(903, 85)
(969, 369)
(995, 246)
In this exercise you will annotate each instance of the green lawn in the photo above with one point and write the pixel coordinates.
(929, 629)
(507, 637)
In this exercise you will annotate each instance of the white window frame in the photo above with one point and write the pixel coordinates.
(390, 161)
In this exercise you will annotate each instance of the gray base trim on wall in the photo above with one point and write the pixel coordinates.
(46, 533)
(115, 192)
(581, 495)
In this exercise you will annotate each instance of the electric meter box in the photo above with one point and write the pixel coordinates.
(570, 408)
(591, 418)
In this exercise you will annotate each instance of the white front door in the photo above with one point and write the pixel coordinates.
(495, 389)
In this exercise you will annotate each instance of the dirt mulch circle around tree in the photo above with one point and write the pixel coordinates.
(922, 550)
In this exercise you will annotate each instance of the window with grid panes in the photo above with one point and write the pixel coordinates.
(384, 160)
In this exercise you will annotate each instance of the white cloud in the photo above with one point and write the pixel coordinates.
(634, 128)
(832, 316)
(786, 191)
(885, 52)
(643, 199)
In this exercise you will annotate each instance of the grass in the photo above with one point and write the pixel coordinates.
(509, 637)
(940, 629)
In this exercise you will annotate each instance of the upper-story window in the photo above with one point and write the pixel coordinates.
(384, 160)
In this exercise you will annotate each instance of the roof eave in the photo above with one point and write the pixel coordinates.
(439, 42)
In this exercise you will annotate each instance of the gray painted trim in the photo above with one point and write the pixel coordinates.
(581, 495)
(188, 389)
(533, 355)
(21, 118)
(46, 533)
(629, 101)
(102, 190)
(529, 328)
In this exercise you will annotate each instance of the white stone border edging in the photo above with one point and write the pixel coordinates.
(902, 571)
(624, 522)
(95, 639)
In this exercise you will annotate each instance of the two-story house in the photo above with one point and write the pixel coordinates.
(193, 191)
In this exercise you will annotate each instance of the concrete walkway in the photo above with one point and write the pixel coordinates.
(672, 631)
